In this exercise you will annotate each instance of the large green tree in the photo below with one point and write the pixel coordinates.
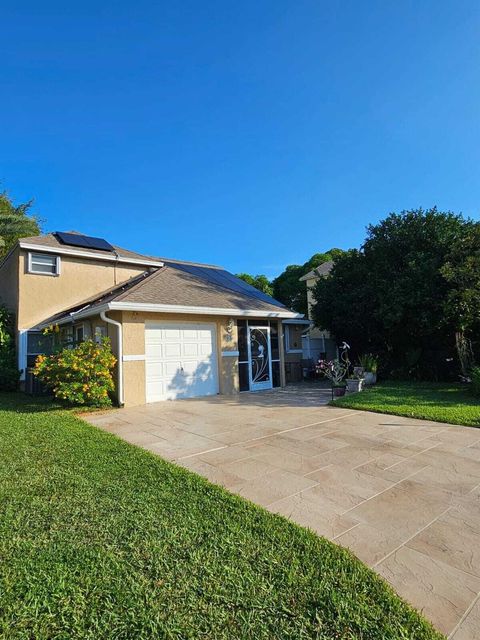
(391, 295)
(462, 308)
(260, 282)
(287, 287)
(15, 222)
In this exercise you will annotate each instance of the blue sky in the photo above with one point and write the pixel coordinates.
(249, 134)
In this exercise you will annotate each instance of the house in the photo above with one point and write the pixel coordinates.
(178, 329)
(317, 343)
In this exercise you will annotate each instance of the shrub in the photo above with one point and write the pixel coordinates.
(476, 381)
(9, 373)
(369, 362)
(82, 375)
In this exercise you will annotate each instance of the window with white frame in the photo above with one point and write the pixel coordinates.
(44, 264)
(293, 338)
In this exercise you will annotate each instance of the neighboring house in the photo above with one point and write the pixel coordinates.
(178, 329)
(316, 343)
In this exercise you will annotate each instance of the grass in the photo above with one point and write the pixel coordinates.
(429, 401)
(102, 540)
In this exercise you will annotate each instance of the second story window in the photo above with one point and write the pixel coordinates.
(44, 263)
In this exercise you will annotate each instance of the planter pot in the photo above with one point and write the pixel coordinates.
(370, 378)
(355, 385)
(338, 391)
(359, 371)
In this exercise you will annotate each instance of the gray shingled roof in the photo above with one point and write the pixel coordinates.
(322, 270)
(176, 287)
(49, 240)
(171, 286)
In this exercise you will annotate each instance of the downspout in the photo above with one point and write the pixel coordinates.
(108, 320)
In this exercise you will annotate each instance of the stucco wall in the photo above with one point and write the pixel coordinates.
(133, 330)
(42, 295)
(9, 282)
(134, 345)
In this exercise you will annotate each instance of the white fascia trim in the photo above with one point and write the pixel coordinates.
(207, 311)
(76, 315)
(87, 254)
(173, 308)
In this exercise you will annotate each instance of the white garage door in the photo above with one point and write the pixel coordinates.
(181, 360)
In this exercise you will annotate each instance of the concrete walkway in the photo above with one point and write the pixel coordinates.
(402, 494)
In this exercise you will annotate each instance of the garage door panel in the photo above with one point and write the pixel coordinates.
(170, 334)
(191, 349)
(181, 360)
(194, 368)
(171, 369)
(172, 350)
(205, 349)
(190, 334)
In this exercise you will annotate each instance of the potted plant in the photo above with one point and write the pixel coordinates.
(355, 383)
(369, 362)
(335, 371)
(339, 390)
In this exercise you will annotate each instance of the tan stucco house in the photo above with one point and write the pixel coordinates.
(178, 329)
(316, 343)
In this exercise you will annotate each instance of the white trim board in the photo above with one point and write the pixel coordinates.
(233, 354)
(212, 311)
(173, 308)
(134, 358)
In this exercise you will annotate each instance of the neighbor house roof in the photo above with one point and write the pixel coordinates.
(173, 289)
(322, 270)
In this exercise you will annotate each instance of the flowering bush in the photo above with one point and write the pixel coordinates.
(334, 370)
(82, 375)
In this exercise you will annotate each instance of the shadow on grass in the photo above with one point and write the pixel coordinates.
(23, 403)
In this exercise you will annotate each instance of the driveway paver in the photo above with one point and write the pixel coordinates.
(402, 494)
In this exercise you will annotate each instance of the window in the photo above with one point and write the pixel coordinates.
(44, 264)
(79, 334)
(66, 336)
(293, 338)
(100, 333)
(37, 344)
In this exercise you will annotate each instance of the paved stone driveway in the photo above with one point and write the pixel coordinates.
(403, 495)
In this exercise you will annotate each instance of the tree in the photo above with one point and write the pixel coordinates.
(260, 282)
(287, 287)
(9, 373)
(15, 223)
(462, 308)
(390, 296)
(348, 287)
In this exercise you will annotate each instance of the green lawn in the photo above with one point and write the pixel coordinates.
(99, 539)
(430, 401)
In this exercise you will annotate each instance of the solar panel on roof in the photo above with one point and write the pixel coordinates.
(225, 279)
(86, 242)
